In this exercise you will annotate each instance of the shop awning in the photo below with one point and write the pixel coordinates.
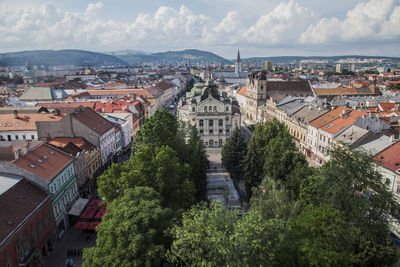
(78, 206)
(81, 226)
(100, 213)
(89, 213)
(93, 225)
(94, 203)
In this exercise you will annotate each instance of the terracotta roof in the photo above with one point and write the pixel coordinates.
(163, 85)
(92, 120)
(61, 105)
(336, 91)
(44, 161)
(328, 117)
(390, 157)
(242, 91)
(343, 122)
(25, 122)
(300, 86)
(80, 142)
(388, 106)
(17, 203)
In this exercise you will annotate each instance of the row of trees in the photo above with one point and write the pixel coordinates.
(338, 214)
(147, 194)
(335, 215)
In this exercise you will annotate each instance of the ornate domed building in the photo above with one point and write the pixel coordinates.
(213, 113)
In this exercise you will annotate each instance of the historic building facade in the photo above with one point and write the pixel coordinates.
(213, 114)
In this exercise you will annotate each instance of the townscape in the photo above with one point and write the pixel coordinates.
(186, 158)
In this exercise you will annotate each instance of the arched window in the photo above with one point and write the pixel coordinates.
(220, 122)
(205, 109)
(227, 108)
(201, 123)
(215, 108)
(193, 109)
(210, 108)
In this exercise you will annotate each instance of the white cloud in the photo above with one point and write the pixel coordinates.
(366, 21)
(288, 25)
(282, 25)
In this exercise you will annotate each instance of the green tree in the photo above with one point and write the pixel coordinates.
(346, 182)
(204, 238)
(259, 242)
(272, 201)
(255, 157)
(284, 163)
(131, 232)
(319, 236)
(158, 130)
(197, 159)
(158, 168)
(233, 153)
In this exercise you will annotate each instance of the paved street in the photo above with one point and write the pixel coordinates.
(219, 183)
(72, 239)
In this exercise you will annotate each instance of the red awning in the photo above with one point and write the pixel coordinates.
(94, 203)
(89, 213)
(100, 214)
(93, 225)
(81, 226)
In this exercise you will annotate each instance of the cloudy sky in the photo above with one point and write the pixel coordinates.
(257, 27)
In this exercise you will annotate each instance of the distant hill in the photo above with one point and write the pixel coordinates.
(60, 57)
(293, 59)
(171, 57)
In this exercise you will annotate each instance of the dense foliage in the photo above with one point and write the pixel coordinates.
(233, 153)
(334, 215)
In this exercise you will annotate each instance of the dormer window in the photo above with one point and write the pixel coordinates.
(205, 109)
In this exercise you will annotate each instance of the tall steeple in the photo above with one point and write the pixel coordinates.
(238, 57)
(238, 64)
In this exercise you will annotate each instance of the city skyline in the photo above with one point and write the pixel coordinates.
(258, 28)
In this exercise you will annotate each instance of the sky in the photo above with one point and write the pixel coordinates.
(256, 27)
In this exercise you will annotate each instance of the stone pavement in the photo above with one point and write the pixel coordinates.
(72, 239)
(219, 183)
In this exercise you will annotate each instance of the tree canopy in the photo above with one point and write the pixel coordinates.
(131, 232)
(233, 153)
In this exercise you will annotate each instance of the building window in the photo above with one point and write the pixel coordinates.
(398, 189)
(210, 123)
(211, 142)
(16, 137)
(220, 142)
(24, 137)
(32, 137)
(220, 122)
(201, 123)
(193, 109)
(215, 109)
(39, 229)
(220, 131)
(227, 131)
(211, 131)
(205, 109)
(201, 131)
(210, 108)
(227, 108)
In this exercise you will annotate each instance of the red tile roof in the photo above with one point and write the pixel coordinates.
(17, 203)
(80, 142)
(25, 122)
(343, 122)
(44, 161)
(93, 120)
(242, 91)
(328, 117)
(390, 157)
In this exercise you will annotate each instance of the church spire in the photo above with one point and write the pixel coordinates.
(238, 60)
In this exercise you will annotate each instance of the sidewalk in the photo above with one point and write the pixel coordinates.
(72, 239)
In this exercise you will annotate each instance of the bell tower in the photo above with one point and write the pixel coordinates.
(238, 64)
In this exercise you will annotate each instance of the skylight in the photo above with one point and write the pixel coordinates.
(32, 166)
(51, 152)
